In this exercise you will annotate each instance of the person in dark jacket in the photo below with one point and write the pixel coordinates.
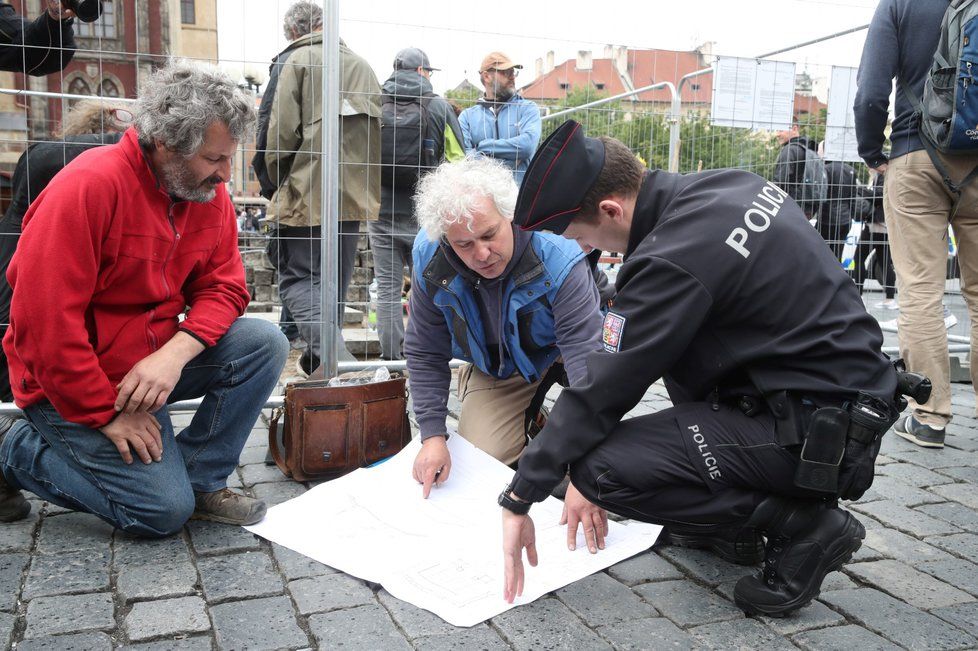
(843, 204)
(730, 296)
(392, 235)
(902, 39)
(38, 47)
(791, 167)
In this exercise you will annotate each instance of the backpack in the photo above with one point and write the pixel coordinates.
(947, 117)
(810, 188)
(406, 149)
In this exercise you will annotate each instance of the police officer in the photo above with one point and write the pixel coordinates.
(780, 390)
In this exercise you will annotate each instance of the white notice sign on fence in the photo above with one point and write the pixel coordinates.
(840, 123)
(753, 93)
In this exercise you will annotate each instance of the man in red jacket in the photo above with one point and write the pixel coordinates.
(127, 288)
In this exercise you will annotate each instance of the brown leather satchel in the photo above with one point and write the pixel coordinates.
(330, 431)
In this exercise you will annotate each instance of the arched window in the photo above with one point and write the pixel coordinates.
(108, 88)
(79, 86)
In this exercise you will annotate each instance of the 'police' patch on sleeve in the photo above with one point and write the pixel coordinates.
(614, 326)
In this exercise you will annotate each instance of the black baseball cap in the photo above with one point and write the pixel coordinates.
(412, 58)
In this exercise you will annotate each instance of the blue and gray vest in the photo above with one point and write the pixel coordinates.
(528, 292)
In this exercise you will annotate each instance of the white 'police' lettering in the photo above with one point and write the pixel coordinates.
(758, 218)
(703, 448)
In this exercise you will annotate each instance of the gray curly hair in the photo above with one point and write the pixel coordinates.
(302, 18)
(178, 103)
(449, 194)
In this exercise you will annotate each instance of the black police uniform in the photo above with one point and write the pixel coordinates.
(730, 295)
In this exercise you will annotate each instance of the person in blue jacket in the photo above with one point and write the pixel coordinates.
(513, 304)
(502, 125)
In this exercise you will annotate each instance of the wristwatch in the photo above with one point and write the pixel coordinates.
(513, 505)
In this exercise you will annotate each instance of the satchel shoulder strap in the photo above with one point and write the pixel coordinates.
(273, 441)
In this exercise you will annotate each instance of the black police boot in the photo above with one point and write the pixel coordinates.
(805, 541)
(743, 546)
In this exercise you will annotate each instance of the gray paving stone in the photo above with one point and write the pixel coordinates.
(837, 581)
(19, 536)
(150, 619)
(237, 576)
(77, 642)
(957, 514)
(961, 442)
(69, 614)
(252, 455)
(546, 624)
(843, 638)
(259, 473)
(415, 622)
(296, 566)
(142, 551)
(215, 538)
(171, 577)
(936, 459)
(967, 474)
(267, 623)
(962, 544)
(903, 519)
(964, 616)
(814, 615)
(329, 592)
(600, 600)
(257, 439)
(11, 573)
(68, 573)
(477, 637)
(686, 603)
(644, 568)
(897, 621)
(73, 532)
(739, 634)
(234, 481)
(654, 633)
(7, 622)
(913, 475)
(891, 488)
(364, 627)
(957, 572)
(908, 585)
(963, 493)
(704, 566)
(865, 552)
(181, 643)
(274, 494)
(902, 547)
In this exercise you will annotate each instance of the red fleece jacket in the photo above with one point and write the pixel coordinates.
(106, 263)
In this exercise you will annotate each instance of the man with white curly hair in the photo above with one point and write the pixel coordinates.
(511, 303)
(143, 233)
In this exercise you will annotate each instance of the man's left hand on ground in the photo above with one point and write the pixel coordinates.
(593, 519)
(149, 383)
(518, 533)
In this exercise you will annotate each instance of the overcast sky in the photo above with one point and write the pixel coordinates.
(456, 34)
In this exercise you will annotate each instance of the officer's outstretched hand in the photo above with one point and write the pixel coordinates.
(594, 520)
(433, 464)
(518, 533)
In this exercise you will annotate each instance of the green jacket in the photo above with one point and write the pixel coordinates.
(295, 136)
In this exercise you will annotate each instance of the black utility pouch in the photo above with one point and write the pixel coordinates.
(869, 418)
(823, 451)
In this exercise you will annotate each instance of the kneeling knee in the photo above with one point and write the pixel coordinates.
(162, 518)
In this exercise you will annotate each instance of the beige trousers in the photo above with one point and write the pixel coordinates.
(493, 411)
(917, 206)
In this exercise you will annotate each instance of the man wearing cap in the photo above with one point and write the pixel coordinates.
(408, 103)
(508, 302)
(502, 125)
(730, 296)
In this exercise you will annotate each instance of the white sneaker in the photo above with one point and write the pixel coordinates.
(888, 304)
(949, 319)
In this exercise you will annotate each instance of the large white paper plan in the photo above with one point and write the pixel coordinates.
(443, 554)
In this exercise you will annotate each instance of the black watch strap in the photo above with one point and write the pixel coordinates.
(513, 505)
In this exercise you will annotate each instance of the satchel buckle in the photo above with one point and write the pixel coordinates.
(327, 455)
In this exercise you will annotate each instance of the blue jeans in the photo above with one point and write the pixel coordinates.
(79, 468)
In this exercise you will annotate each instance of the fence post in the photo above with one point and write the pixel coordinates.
(329, 205)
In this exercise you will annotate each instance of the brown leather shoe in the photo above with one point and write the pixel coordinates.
(228, 507)
(13, 505)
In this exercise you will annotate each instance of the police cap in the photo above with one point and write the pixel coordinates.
(560, 175)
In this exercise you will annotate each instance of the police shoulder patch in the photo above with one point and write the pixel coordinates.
(611, 332)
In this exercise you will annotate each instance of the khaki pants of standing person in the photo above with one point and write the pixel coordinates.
(917, 205)
(493, 411)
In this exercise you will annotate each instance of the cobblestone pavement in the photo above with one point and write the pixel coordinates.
(68, 582)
